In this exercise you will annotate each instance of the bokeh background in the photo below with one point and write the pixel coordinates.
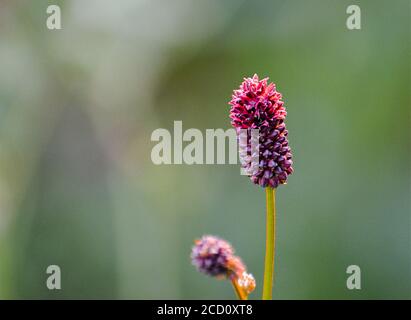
(78, 106)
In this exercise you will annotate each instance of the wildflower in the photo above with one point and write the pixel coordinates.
(215, 257)
(257, 105)
(211, 255)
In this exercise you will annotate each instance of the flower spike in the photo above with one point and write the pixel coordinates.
(258, 105)
(215, 257)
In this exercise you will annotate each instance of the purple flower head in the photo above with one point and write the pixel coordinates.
(257, 105)
(215, 257)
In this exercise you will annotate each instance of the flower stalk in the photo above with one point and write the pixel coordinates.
(239, 291)
(257, 105)
(269, 244)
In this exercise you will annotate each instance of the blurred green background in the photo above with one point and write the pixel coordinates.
(78, 106)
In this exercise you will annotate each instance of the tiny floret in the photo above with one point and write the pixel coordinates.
(211, 255)
(247, 282)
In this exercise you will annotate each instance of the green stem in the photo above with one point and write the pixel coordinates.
(241, 295)
(269, 244)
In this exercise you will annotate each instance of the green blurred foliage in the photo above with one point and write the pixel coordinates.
(78, 106)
